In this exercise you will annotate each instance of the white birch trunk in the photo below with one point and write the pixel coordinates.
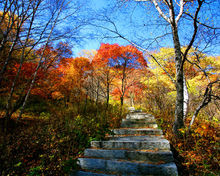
(8, 105)
(39, 63)
(186, 98)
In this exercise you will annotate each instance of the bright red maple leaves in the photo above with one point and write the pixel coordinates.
(114, 55)
(60, 76)
(120, 64)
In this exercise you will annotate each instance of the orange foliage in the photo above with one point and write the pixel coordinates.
(72, 75)
(120, 63)
(113, 55)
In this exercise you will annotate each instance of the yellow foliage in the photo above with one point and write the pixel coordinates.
(57, 95)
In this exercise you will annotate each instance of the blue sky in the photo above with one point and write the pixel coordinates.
(122, 19)
(142, 25)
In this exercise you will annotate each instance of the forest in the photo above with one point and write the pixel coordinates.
(160, 56)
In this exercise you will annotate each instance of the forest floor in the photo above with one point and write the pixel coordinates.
(51, 147)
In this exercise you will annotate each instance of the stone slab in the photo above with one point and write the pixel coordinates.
(139, 120)
(138, 149)
(141, 131)
(138, 115)
(139, 125)
(82, 173)
(161, 144)
(135, 138)
(148, 156)
(126, 167)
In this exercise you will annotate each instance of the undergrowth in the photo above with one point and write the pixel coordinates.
(197, 152)
(50, 143)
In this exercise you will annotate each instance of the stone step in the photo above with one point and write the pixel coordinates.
(139, 131)
(134, 138)
(148, 156)
(128, 167)
(83, 173)
(136, 149)
(139, 116)
(138, 120)
(151, 144)
(139, 125)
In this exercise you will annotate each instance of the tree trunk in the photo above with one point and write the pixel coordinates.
(186, 98)
(86, 101)
(39, 63)
(123, 83)
(8, 105)
(132, 99)
(122, 101)
(206, 100)
(107, 93)
(201, 105)
(178, 123)
(97, 93)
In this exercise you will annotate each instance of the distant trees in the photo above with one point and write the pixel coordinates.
(73, 76)
(31, 64)
(178, 15)
(201, 72)
(113, 73)
(118, 63)
(26, 30)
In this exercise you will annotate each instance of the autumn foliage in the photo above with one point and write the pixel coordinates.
(54, 103)
(76, 100)
(197, 151)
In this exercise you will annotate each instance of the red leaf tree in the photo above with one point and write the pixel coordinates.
(123, 60)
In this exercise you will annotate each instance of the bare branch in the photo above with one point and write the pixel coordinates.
(203, 24)
(154, 58)
(182, 3)
(134, 44)
(193, 63)
(160, 11)
(206, 100)
(194, 33)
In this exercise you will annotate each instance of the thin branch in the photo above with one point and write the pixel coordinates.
(156, 39)
(155, 59)
(194, 33)
(193, 63)
(203, 24)
(137, 46)
(181, 11)
(160, 11)
(39, 63)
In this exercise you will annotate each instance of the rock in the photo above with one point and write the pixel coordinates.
(137, 131)
(147, 156)
(131, 151)
(131, 109)
(128, 167)
(161, 144)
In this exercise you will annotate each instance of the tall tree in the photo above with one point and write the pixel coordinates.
(172, 12)
(73, 76)
(122, 60)
(102, 69)
(22, 31)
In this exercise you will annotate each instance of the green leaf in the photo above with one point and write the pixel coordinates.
(18, 164)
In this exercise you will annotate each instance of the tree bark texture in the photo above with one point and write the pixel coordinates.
(186, 99)
(178, 123)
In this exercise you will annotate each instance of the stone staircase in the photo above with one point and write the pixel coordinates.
(138, 148)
